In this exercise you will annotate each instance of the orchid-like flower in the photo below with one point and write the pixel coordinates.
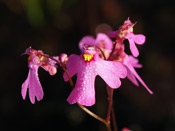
(130, 62)
(126, 32)
(35, 60)
(87, 66)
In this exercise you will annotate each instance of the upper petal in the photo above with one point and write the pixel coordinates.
(112, 34)
(101, 37)
(139, 39)
(88, 40)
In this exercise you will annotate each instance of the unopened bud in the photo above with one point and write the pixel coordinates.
(63, 58)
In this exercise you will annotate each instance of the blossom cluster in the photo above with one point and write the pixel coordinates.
(104, 56)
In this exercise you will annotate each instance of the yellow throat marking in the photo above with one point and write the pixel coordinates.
(87, 57)
(131, 29)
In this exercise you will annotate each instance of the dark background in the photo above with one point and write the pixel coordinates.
(56, 26)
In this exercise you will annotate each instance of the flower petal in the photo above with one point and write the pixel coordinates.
(25, 86)
(139, 39)
(112, 34)
(110, 72)
(126, 129)
(50, 68)
(131, 68)
(84, 92)
(134, 62)
(133, 47)
(105, 39)
(88, 40)
(72, 66)
(35, 88)
(132, 78)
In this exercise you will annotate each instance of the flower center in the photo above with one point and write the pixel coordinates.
(88, 57)
(131, 29)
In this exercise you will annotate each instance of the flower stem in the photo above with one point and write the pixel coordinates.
(95, 116)
(111, 111)
(113, 49)
(104, 57)
(110, 101)
(114, 123)
(110, 97)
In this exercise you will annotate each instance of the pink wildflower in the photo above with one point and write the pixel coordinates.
(126, 32)
(87, 66)
(126, 129)
(35, 60)
(130, 62)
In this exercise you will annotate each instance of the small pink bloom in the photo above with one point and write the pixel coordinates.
(33, 84)
(130, 62)
(126, 32)
(35, 60)
(87, 66)
(126, 129)
(63, 58)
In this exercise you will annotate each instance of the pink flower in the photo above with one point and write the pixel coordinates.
(126, 129)
(130, 62)
(87, 66)
(126, 32)
(35, 60)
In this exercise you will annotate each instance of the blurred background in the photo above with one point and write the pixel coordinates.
(56, 26)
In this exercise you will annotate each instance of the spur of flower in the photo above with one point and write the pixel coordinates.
(87, 66)
(36, 59)
(131, 63)
(126, 32)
